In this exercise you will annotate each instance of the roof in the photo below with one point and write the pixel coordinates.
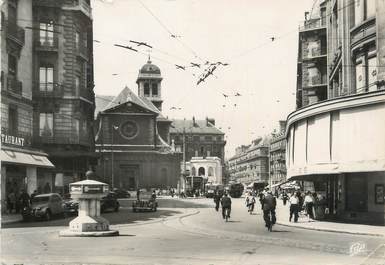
(126, 95)
(200, 127)
(150, 68)
(101, 101)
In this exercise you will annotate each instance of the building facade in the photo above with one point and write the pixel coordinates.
(63, 82)
(21, 163)
(277, 153)
(130, 138)
(250, 164)
(336, 144)
(203, 145)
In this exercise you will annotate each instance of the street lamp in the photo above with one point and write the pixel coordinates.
(113, 127)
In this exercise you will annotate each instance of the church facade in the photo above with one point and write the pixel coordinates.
(133, 135)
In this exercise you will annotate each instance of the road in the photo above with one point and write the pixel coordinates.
(187, 231)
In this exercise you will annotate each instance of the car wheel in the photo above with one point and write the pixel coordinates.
(48, 215)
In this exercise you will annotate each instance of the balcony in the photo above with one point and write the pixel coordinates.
(70, 138)
(15, 33)
(314, 24)
(50, 45)
(80, 5)
(48, 90)
(86, 93)
(82, 51)
(11, 85)
(48, 3)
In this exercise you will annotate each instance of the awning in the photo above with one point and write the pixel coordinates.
(21, 158)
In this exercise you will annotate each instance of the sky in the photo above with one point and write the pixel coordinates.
(261, 69)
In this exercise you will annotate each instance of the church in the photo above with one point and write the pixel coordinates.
(132, 137)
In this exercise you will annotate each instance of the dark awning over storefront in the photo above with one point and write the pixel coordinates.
(38, 159)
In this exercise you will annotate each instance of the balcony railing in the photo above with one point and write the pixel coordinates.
(82, 6)
(70, 138)
(314, 24)
(50, 90)
(47, 44)
(15, 33)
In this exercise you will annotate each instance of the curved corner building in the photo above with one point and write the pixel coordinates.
(336, 137)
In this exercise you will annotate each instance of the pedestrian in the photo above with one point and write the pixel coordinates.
(138, 194)
(34, 193)
(11, 201)
(247, 200)
(284, 197)
(226, 204)
(294, 207)
(47, 188)
(217, 200)
(24, 199)
(251, 204)
(269, 206)
(309, 203)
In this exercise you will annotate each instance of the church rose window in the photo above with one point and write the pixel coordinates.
(129, 129)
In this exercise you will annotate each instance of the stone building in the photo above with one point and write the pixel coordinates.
(132, 138)
(250, 164)
(63, 82)
(21, 163)
(335, 144)
(204, 150)
(277, 153)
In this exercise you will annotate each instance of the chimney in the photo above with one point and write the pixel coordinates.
(210, 120)
(193, 119)
(282, 126)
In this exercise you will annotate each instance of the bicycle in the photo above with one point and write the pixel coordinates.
(227, 214)
(270, 219)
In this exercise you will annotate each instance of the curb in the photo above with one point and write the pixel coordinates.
(6, 222)
(331, 230)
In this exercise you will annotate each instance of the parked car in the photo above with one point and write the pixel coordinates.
(121, 193)
(44, 206)
(71, 206)
(109, 203)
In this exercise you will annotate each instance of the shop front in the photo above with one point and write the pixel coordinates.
(20, 168)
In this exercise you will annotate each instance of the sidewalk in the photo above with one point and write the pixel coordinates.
(10, 218)
(283, 213)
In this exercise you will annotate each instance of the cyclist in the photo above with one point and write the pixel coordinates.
(226, 204)
(269, 204)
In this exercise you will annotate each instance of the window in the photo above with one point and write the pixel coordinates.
(12, 120)
(363, 10)
(46, 124)
(46, 78)
(77, 39)
(84, 127)
(208, 138)
(146, 89)
(366, 71)
(12, 65)
(77, 84)
(154, 89)
(46, 34)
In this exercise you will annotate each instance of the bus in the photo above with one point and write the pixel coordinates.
(235, 190)
(211, 188)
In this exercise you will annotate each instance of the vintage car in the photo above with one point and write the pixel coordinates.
(44, 206)
(71, 206)
(109, 203)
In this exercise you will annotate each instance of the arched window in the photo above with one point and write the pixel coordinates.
(193, 171)
(154, 89)
(201, 171)
(146, 89)
(211, 172)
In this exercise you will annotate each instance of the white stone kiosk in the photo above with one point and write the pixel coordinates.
(89, 222)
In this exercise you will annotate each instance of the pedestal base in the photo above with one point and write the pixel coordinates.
(89, 226)
(68, 233)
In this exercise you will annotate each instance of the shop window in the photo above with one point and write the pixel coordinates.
(46, 124)
(146, 89)
(154, 89)
(12, 120)
(46, 32)
(46, 78)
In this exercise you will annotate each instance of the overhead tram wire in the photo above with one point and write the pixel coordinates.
(171, 34)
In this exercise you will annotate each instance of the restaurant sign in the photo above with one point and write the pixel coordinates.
(13, 140)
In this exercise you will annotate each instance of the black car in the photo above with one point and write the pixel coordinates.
(121, 193)
(109, 203)
(71, 207)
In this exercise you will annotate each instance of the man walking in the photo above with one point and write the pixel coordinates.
(217, 200)
(226, 204)
(294, 201)
(269, 205)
